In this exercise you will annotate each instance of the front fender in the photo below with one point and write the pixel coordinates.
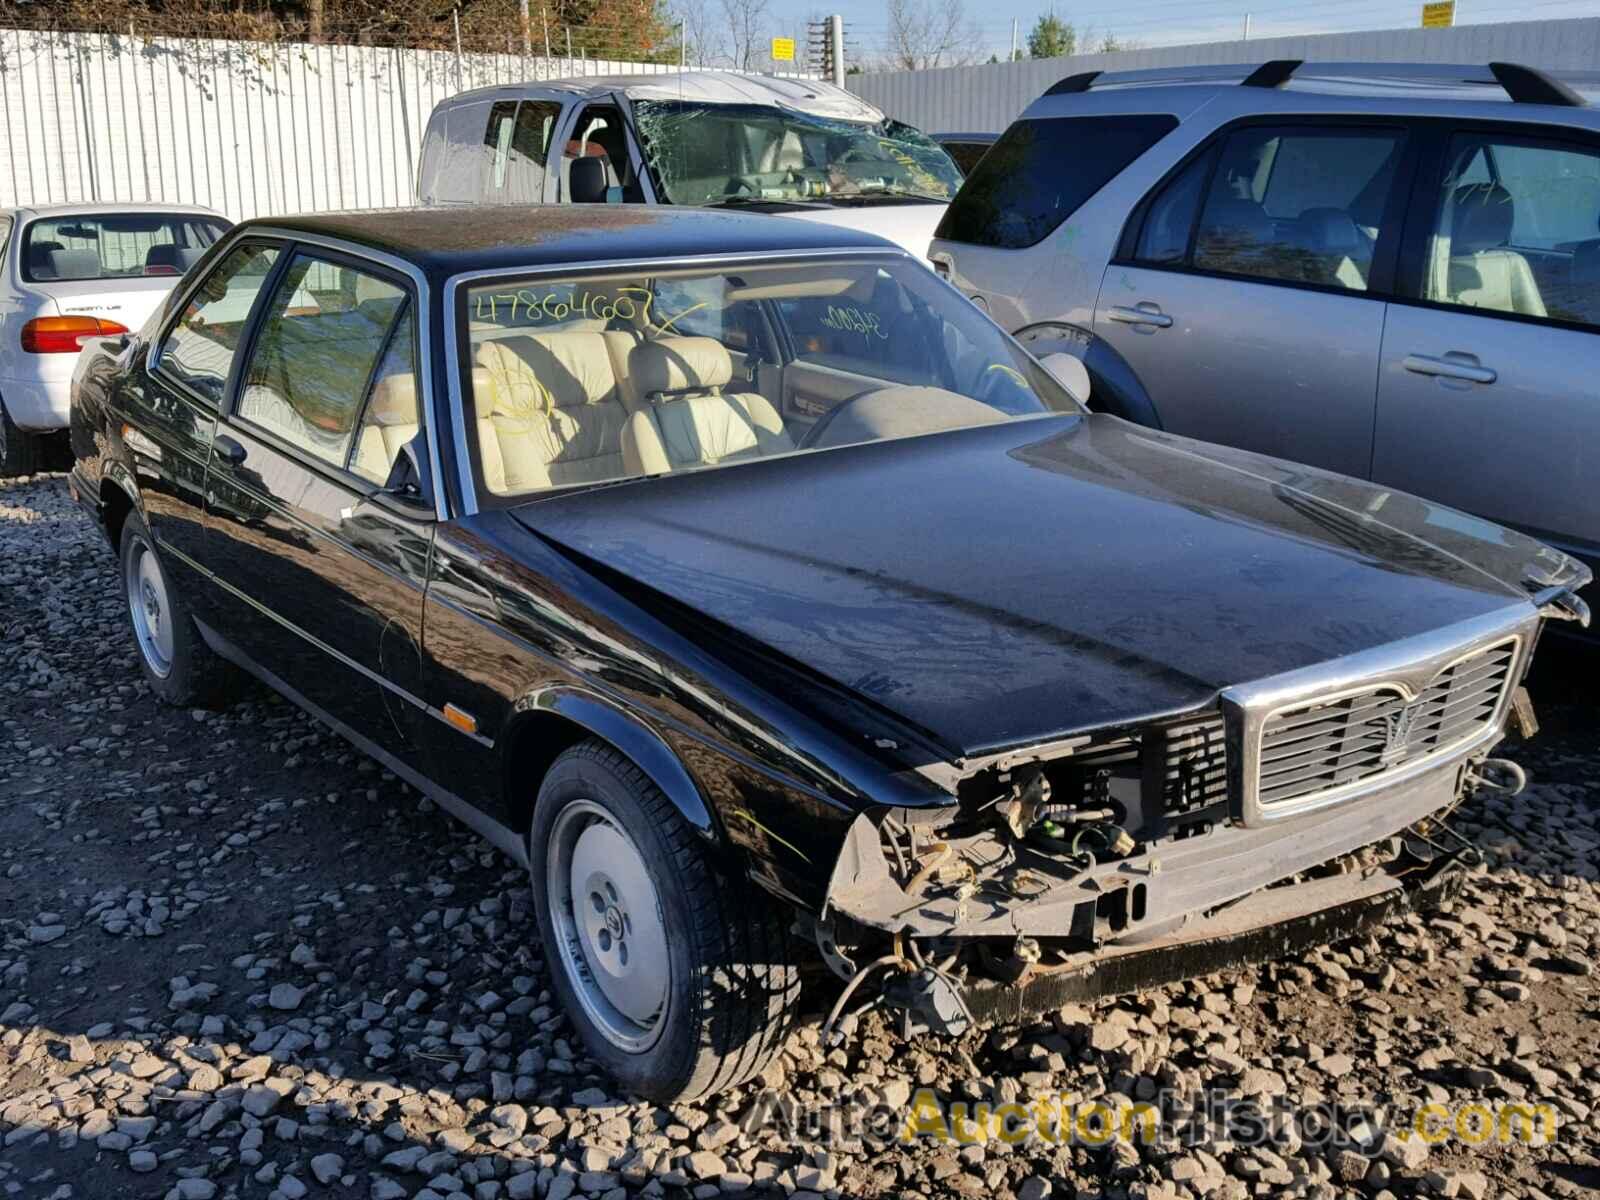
(636, 739)
(1115, 386)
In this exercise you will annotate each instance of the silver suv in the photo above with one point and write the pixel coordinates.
(1391, 271)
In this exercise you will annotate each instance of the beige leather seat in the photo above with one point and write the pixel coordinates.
(1483, 272)
(691, 420)
(390, 422)
(556, 407)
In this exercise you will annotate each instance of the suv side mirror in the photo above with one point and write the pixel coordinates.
(1070, 373)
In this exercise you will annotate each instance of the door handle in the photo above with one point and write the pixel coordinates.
(1452, 366)
(1141, 314)
(227, 449)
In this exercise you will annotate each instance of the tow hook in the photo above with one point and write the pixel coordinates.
(1498, 775)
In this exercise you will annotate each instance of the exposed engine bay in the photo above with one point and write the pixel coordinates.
(1119, 863)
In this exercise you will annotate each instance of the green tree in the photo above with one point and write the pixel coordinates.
(1051, 37)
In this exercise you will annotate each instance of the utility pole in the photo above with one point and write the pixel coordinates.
(683, 46)
(527, 27)
(455, 15)
(1013, 57)
(1247, 27)
(836, 47)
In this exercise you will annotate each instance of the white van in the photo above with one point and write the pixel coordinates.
(799, 147)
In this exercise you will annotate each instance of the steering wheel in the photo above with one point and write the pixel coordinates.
(814, 434)
(1002, 386)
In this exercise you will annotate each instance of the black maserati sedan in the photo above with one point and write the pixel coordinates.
(743, 580)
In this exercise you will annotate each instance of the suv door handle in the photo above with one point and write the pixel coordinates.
(227, 449)
(1452, 366)
(1144, 313)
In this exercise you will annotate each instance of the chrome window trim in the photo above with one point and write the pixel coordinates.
(1405, 667)
(465, 455)
(419, 284)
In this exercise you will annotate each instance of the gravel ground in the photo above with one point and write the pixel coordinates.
(238, 959)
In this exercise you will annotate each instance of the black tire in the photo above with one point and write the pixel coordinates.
(734, 987)
(19, 451)
(191, 675)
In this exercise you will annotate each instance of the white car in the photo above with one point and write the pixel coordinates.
(75, 271)
(796, 147)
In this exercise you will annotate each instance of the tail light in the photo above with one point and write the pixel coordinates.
(161, 269)
(64, 335)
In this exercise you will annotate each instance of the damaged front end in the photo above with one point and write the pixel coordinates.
(1298, 811)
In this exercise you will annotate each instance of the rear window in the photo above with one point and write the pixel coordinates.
(115, 245)
(1041, 171)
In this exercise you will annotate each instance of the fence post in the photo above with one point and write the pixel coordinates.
(455, 15)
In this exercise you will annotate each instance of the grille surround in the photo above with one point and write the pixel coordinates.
(1365, 685)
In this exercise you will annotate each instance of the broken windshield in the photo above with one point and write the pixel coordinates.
(711, 153)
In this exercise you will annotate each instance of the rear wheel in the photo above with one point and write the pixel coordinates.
(679, 979)
(177, 663)
(19, 451)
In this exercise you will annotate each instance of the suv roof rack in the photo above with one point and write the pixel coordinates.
(1522, 84)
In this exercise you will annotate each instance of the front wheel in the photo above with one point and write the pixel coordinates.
(679, 979)
(175, 660)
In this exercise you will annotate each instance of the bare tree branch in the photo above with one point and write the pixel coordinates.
(931, 33)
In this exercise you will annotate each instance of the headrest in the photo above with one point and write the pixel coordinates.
(394, 400)
(587, 181)
(679, 364)
(1330, 231)
(1586, 263)
(163, 259)
(1483, 216)
(1236, 222)
(39, 255)
(537, 372)
(75, 264)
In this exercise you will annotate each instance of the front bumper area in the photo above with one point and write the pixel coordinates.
(1272, 924)
(1114, 900)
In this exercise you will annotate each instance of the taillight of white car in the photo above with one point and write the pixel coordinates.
(65, 335)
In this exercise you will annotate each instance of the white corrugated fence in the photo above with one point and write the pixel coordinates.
(247, 128)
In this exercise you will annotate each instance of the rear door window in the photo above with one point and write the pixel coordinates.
(1041, 171)
(325, 331)
(115, 245)
(1300, 205)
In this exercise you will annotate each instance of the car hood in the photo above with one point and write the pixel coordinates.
(1009, 584)
(909, 226)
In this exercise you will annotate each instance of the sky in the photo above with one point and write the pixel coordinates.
(1176, 22)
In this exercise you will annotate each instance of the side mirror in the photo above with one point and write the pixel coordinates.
(1070, 373)
(404, 485)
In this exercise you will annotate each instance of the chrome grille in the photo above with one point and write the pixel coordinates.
(1328, 744)
(1194, 765)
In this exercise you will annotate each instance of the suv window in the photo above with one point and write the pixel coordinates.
(325, 329)
(199, 348)
(1517, 228)
(1301, 205)
(455, 162)
(1041, 171)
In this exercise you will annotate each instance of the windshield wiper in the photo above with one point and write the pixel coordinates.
(737, 200)
(889, 193)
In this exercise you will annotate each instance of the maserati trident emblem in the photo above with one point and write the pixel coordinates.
(1397, 727)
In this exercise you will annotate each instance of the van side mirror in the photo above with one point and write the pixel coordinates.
(1070, 373)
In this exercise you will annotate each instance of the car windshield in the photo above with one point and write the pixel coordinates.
(116, 245)
(602, 378)
(714, 153)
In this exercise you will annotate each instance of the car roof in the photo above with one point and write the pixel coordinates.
(706, 87)
(86, 210)
(1284, 84)
(446, 241)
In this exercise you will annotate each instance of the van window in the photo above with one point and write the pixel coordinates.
(456, 164)
(1042, 171)
(518, 141)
